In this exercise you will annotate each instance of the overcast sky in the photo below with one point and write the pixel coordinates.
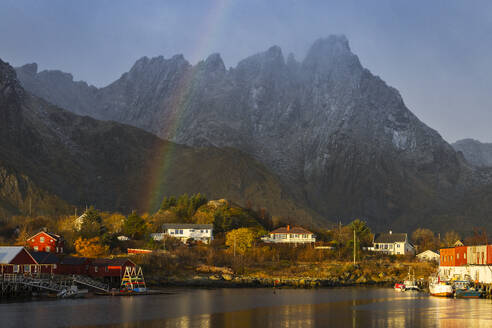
(437, 53)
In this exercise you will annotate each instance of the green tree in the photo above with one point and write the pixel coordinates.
(240, 239)
(134, 226)
(362, 232)
(92, 225)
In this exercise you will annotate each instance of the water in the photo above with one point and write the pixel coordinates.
(342, 307)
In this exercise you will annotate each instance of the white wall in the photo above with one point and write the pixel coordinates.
(482, 273)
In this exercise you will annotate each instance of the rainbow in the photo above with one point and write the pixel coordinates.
(165, 152)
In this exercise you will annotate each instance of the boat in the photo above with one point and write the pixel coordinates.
(440, 288)
(463, 289)
(410, 283)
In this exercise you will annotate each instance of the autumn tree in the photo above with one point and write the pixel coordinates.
(114, 222)
(479, 237)
(450, 238)
(91, 247)
(240, 239)
(425, 239)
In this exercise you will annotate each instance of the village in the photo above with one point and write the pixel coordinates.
(224, 254)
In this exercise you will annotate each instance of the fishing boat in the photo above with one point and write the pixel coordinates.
(440, 288)
(463, 289)
(410, 283)
(399, 287)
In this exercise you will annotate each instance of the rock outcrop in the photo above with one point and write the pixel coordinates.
(475, 152)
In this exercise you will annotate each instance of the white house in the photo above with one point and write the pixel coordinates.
(185, 231)
(428, 256)
(392, 243)
(294, 235)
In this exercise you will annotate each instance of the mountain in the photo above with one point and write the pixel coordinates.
(475, 152)
(50, 158)
(338, 137)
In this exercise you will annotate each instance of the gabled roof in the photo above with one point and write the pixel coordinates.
(45, 258)
(296, 230)
(187, 226)
(8, 253)
(74, 260)
(387, 238)
(111, 262)
(52, 235)
(428, 252)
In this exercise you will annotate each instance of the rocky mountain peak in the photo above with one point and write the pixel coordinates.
(332, 54)
(10, 88)
(214, 63)
(30, 69)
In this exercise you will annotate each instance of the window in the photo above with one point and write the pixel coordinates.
(458, 256)
(181, 232)
(27, 268)
(47, 248)
(41, 239)
(54, 266)
(36, 248)
(398, 245)
(95, 269)
(464, 256)
(16, 268)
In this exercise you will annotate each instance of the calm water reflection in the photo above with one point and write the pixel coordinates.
(348, 307)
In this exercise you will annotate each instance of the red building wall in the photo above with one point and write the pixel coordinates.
(109, 269)
(460, 252)
(43, 242)
(489, 254)
(448, 257)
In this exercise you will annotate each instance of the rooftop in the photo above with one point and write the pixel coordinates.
(187, 226)
(8, 253)
(389, 237)
(288, 229)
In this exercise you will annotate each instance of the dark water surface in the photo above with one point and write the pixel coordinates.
(343, 307)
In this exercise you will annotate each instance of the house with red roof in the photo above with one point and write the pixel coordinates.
(290, 235)
(46, 242)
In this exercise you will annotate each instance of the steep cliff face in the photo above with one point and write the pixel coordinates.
(60, 89)
(475, 152)
(339, 138)
(49, 155)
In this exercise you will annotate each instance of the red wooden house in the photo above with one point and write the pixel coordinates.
(74, 265)
(47, 262)
(16, 259)
(109, 269)
(46, 242)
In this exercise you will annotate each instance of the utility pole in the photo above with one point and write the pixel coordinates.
(234, 246)
(355, 244)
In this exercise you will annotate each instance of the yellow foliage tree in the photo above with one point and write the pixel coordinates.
(203, 217)
(240, 239)
(90, 247)
(114, 222)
